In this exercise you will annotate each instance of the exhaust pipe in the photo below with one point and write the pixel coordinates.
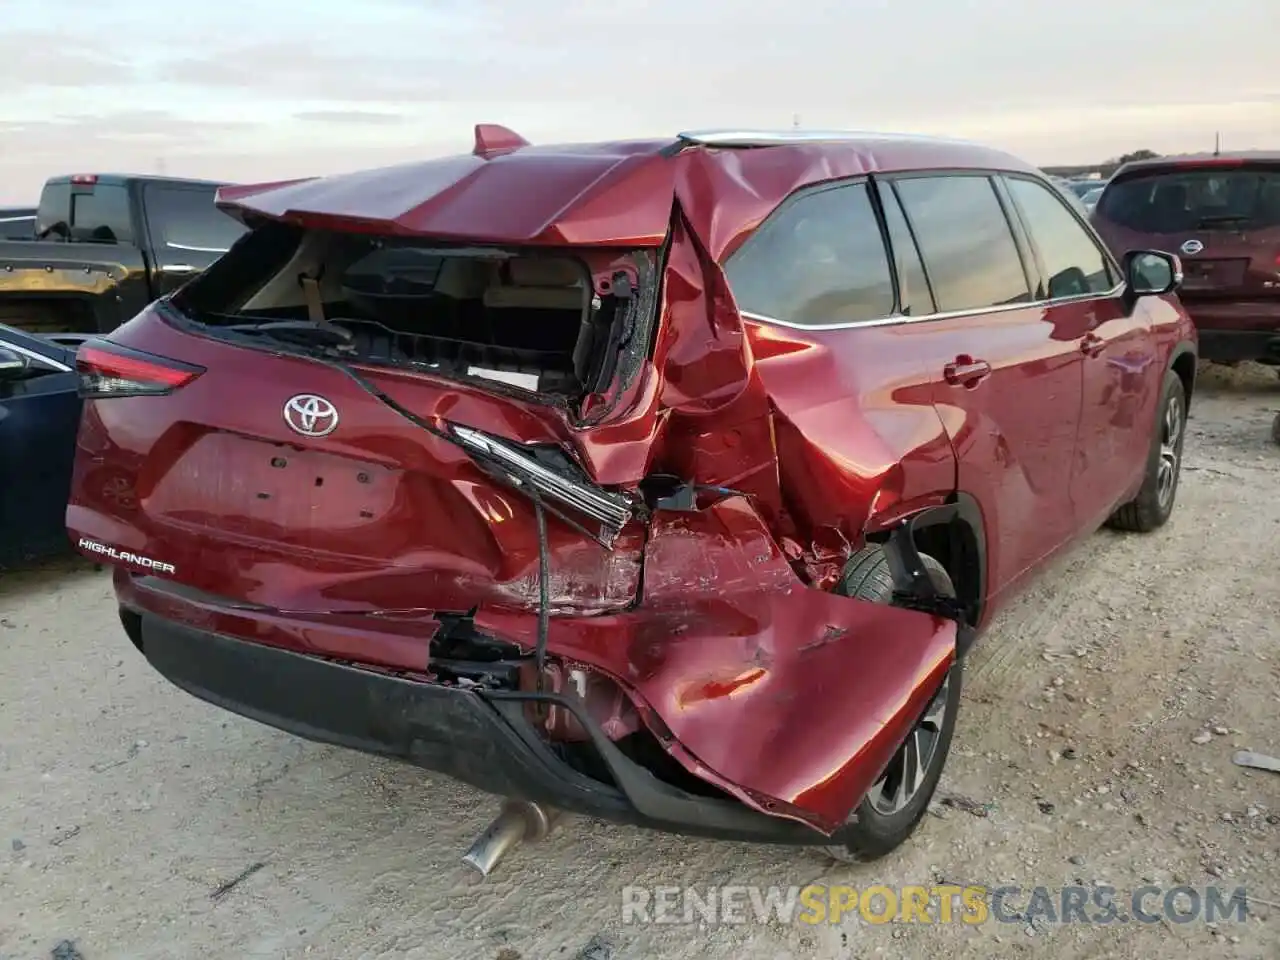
(519, 821)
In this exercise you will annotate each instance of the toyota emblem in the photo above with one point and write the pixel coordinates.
(310, 415)
(1192, 247)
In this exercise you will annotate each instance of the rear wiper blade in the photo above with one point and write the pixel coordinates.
(296, 330)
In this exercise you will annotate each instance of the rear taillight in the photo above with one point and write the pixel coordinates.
(107, 369)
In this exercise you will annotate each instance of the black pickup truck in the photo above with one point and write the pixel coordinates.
(104, 246)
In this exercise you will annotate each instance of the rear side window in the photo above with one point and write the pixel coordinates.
(185, 221)
(1073, 263)
(966, 241)
(101, 213)
(914, 298)
(54, 215)
(1184, 200)
(818, 260)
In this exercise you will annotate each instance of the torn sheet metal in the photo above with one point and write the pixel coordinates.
(792, 699)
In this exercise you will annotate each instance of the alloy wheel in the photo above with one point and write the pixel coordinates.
(1170, 451)
(908, 769)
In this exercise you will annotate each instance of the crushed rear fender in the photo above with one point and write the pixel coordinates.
(789, 698)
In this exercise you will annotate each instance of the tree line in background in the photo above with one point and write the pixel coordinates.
(1105, 169)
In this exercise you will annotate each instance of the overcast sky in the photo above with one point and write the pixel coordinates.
(262, 89)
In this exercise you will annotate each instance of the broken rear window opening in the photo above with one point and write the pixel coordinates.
(1184, 200)
(561, 325)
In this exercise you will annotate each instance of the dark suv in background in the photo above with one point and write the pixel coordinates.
(1221, 215)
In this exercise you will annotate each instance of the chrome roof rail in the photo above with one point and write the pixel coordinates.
(769, 138)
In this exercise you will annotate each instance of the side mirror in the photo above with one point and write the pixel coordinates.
(12, 364)
(1152, 272)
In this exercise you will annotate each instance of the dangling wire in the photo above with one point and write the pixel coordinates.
(544, 590)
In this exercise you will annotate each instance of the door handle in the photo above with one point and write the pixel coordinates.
(1092, 345)
(965, 371)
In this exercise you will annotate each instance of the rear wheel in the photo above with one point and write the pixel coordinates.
(1153, 505)
(892, 808)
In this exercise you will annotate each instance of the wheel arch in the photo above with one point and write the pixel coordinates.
(1182, 361)
(952, 533)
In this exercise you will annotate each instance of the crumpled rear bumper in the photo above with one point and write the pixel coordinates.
(480, 738)
(792, 699)
(789, 699)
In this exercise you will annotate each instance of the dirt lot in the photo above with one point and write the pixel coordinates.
(1087, 740)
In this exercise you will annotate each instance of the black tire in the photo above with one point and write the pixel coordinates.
(872, 832)
(1275, 428)
(1153, 505)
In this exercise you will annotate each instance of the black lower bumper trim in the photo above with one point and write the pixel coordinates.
(481, 738)
(1235, 346)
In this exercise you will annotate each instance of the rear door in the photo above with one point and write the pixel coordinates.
(1221, 215)
(1005, 370)
(188, 233)
(833, 344)
(1083, 294)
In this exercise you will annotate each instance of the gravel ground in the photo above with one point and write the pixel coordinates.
(1095, 744)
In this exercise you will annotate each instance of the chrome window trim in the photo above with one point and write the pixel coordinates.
(949, 315)
(56, 365)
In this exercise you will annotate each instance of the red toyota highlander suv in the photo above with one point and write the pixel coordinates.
(664, 482)
(1222, 214)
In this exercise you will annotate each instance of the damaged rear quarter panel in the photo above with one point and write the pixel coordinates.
(778, 691)
(833, 432)
(790, 698)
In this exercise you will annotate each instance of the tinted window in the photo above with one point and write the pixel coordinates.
(1073, 263)
(186, 221)
(101, 213)
(1180, 201)
(818, 260)
(55, 209)
(914, 298)
(966, 242)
